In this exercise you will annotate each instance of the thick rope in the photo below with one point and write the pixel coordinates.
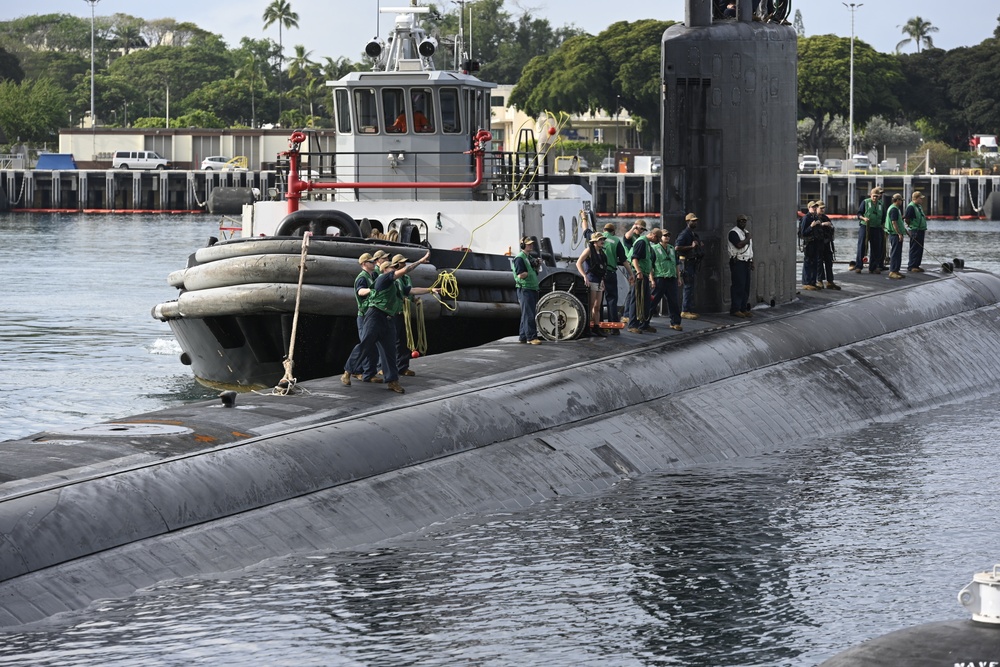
(286, 384)
(413, 311)
(972, 201)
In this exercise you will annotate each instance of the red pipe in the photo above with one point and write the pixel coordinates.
(296, 186)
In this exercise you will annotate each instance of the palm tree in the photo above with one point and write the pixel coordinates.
(299, 66)
(280, 12)
(128, 36)
(334, 69)
(919, 31)
(249, 69)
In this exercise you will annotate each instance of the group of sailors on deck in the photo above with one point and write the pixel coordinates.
(877, 222)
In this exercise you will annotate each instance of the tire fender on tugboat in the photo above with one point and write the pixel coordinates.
(318, 222)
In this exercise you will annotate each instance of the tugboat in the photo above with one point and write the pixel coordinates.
(414, 170)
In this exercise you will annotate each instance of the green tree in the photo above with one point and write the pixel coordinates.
(312, 94)
(32, 110)
(919, 31)
(529, 36)
(824, 83)
(617, 69)
(10, 67)
(61, 67)
(300, 68)
(280, 12)
(973, 91)
(334, 69)
(126, 33)
(181, 69)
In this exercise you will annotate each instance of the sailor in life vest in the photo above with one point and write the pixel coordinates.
(740, 265)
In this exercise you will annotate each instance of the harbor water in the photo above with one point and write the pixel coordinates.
(785, 558)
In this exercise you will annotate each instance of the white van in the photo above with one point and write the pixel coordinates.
(138, 160)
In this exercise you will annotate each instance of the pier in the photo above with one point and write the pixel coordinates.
(615, 194)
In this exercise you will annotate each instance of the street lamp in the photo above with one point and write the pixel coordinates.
(92, 4)
(850, 128)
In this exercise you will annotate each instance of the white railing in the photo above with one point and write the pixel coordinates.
(11, 160)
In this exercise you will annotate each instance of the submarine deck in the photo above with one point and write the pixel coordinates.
(54, 458)
(102, 511)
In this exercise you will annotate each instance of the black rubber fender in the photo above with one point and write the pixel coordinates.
(299, 222)
(408, 233)
(366, 228)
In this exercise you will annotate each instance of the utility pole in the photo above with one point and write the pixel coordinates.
(93, 123)
(852, 7)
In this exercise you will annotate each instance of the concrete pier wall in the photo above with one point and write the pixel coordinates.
(614, 194)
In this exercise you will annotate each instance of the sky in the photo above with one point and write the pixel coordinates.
(337, 28)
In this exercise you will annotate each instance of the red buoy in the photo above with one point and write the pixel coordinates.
(414, 354)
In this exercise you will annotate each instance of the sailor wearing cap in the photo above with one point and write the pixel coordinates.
(406, 290)
(526, 280)
(896, 230)
(356, 363)
(690, 251)
(809, 233)
(635, 232)
(916, 222)
(614, 249)
(826, 249)
(639, 295)
(593, 266)
(378, 336)
(665, 277)
(871, 216)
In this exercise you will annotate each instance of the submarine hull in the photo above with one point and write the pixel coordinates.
(202, 488)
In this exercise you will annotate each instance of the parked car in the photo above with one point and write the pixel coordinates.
(861, 161)
(608, 165)
(657, 165)
(833, 165)
(890, 164)
(138, 160)
(213, 162)
(809, 163)
(223, 163)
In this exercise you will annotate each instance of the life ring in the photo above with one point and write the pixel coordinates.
(317, 222)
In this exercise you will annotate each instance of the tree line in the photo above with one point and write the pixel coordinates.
(936, 95)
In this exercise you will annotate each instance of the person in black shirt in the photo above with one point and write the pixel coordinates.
(690, 251)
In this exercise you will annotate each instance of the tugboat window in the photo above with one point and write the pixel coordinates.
(422, 100)
(451, 114)
(367, 110)
(394, 110)
(343, 104)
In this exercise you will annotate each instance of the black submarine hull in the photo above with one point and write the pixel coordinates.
(502, 426)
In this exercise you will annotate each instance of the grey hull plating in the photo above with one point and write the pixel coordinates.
(202, 488)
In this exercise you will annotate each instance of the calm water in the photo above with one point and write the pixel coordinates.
(780, 559)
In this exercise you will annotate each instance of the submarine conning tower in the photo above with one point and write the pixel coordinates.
(728, 116)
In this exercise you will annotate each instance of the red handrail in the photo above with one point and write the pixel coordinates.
(296, 186)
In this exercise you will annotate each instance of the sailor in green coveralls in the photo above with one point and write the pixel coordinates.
(916, 224)
(526, 279)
